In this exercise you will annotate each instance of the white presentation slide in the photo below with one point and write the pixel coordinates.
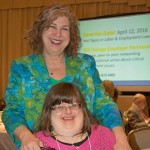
(120, 46)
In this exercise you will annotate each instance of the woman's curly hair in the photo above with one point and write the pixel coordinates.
(44, 20)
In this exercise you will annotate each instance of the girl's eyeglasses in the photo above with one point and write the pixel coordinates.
(62, 108)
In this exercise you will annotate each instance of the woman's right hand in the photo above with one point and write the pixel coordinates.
(30, 142)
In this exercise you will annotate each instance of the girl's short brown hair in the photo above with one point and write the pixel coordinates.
(64, 92)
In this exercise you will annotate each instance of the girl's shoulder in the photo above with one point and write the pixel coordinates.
(102, 130)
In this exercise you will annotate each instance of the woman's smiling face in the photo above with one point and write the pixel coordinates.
(57, 36)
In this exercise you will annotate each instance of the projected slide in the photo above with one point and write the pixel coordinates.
(120, 46)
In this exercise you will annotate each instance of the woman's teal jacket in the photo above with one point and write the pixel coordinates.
(29, 82)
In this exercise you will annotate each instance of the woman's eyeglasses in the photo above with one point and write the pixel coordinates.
(62, 108)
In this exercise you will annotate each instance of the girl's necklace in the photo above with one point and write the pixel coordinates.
(74, 145)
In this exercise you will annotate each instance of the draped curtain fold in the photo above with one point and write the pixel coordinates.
(16, 17)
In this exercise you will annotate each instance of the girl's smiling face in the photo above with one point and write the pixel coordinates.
(69, 121)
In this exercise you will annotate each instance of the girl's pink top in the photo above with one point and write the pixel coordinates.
(101, 138)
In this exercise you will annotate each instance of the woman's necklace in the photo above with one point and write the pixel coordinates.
(57, 69)
(73, 143)
(54, 65)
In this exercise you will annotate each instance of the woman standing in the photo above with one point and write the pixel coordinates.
(55, 40)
